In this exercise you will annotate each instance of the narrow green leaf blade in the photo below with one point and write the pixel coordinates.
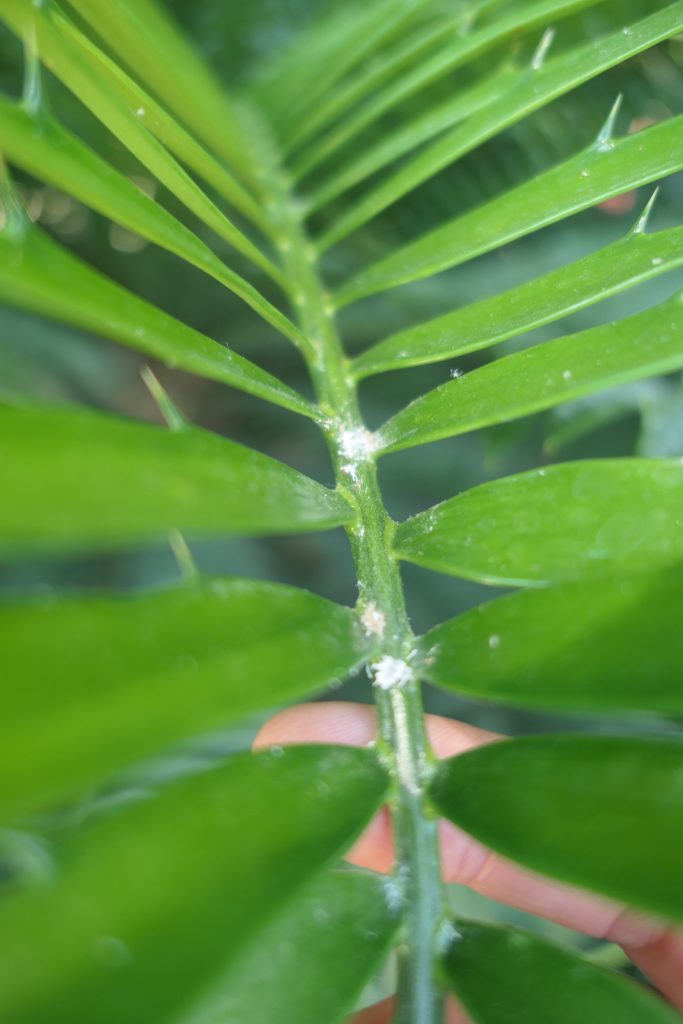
(143, 37)
(588, 178)
(150, 907)
(459, 49)
(601, 646)
(305, 75)
(77, 479)
(566, 522)
(89, 74)
(557, 77)
(624, 264)
(601, 812)
(320, 953)
(393, 144)
(386, 64)
(164, 126)
(499, 974)
(42, 147)
(644, 345)
(38, 274)
(130, 674)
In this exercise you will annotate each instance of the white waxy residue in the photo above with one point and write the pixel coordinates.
(447, 934)
(374, 620)
(350, 469)
(405, 763)
(390, 673)
(356, 443)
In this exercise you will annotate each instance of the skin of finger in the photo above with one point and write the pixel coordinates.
(662, 962)
(658, 950)
(382, 1013)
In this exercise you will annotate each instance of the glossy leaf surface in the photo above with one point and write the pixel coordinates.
(38, 274)
(628, 262)
(555, 78)
(129, 675)
(589, 178)
(589, 647)
(596, 518)
(161, 897)
(39, 145)
(319, 953)
(500, 973)
(547, 375)
(601, 812)
(103, 480)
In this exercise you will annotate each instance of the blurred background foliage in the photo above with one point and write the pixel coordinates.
(43, 361)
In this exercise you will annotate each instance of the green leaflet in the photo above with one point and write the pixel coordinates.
(597, 646)
(304, 75)
(388, 62)
(589, 178)
(604, 517)
(130, 674)
(456, 52)
(151, 906)
(149, 116)
(39, 145)
(145, 40)
(643, 345)
(40, 275)
(78, 64)
(601, 812)
(611, 270)
(319, 954)
(103, 480)
(500, 974)
(555, 78)
(393, 144)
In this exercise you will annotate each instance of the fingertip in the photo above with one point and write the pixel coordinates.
(383, 1013)
(448, 738)
(375, 848)
(353, 725)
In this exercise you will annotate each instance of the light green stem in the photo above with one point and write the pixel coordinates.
(403, 743)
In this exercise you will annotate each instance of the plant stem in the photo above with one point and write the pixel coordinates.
(403, 744)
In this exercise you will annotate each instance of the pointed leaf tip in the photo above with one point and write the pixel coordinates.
(606, 133)
(168, 409)
(543, 49)
(640, 227)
